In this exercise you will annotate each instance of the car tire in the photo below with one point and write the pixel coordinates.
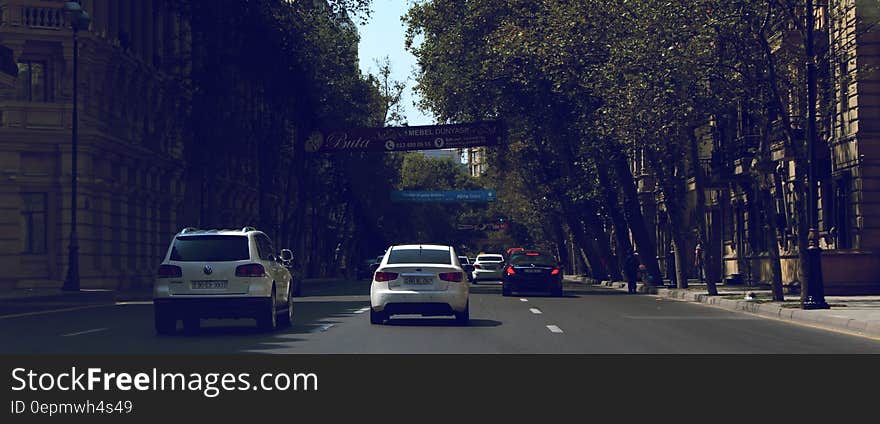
(286, 318)
(377, 317)
(165, 324)
(505, 290)
(191, 325)
(464, 317)
(268, 319)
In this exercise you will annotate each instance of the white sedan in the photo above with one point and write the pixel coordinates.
(488, 267)
(418, 279)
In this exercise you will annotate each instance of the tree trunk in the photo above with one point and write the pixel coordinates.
(700, 209)
(603, 247)
(632, 211)
(618, 220)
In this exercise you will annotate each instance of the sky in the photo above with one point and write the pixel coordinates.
(382, 36)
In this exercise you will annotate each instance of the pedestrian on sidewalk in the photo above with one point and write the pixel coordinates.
(631, 266)
(698, 261)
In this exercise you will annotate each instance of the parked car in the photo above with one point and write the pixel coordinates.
(222, 274)
(488, 267)
(466, 265)
(532, 271)
(364, 270)
(419, 279)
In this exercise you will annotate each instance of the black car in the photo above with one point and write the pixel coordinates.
(532, 271)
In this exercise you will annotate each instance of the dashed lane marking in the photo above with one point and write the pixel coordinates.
(554, 329)
(535, 311)
(94, 330)
(324, 327)
(523, 300)
(362, 310)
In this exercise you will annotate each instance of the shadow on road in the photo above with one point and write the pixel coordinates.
(440, 322)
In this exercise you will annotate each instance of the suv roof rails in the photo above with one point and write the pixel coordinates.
(188, 229)
(248, 228)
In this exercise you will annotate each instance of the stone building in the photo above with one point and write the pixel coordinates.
(129, 155)
(848, 164)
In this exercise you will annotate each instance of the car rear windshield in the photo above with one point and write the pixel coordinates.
(210, 248)
(419, 256)
(533, 259)
(490, 258)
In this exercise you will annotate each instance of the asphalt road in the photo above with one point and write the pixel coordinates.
(333, 318)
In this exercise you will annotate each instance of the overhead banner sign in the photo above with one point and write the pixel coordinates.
(392, 139)
(492, 226)
(451, 196)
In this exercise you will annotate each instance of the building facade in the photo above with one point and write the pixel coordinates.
(735, 245)
(129, 156)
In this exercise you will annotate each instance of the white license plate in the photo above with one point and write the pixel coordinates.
(418, 280)
(209, 285)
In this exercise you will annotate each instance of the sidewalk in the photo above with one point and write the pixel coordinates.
(854, 314)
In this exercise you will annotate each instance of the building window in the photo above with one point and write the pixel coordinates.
(33, 223)
(34, 82)
(841, 210)
(844, 97)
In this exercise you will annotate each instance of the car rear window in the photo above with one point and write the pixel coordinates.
(210, 248)
(419, 256)
(533, 259)
(490, 258)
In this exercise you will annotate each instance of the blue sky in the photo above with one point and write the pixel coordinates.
(383, 36)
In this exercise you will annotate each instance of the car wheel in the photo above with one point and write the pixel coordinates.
(268, 320)
(505, 290)
(286, 319)
(557, 291)
(165, 324)
(191, 325)
(377, 317)
(462, 318)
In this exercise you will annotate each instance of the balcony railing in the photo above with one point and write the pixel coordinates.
(36, 14)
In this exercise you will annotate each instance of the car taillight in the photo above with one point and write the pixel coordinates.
(477, 266)
(510, 271)
(385, 276)
(555, 271)
(169, 271)
(250, 270)
(454, 277)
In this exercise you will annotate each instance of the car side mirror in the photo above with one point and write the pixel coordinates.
(286, 255)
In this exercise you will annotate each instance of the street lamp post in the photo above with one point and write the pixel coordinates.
(813, 296)
(79, 19)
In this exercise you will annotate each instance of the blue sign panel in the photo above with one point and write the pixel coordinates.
(450, 196)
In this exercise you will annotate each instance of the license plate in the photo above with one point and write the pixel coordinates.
(209, 285)
(418, 280)
(534, 271)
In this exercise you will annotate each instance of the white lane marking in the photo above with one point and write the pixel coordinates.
(535, 310)
(324, 327)
(94, 330)
(135, 302)
(523, 300)
(554, 329)
(54, 311)
(362, 310)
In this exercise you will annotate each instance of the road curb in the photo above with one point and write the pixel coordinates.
(818, 318)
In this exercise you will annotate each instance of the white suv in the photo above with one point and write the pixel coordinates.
(222, 274)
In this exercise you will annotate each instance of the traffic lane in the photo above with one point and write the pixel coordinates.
(128, 329)
(610, 321)
(496, 326)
